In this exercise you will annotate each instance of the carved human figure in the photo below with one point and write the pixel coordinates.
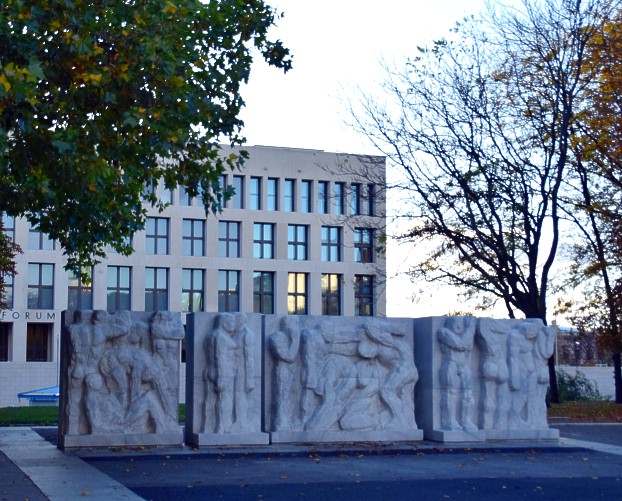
(456, 343)
(492, 338)
(284, 346)
(522, 371)
(396, 355)
(360, 413)
(80, 333)
(544, 347)
(314, 349)
(232, 371)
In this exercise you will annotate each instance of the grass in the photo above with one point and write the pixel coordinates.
(43, 416)
(594, 411)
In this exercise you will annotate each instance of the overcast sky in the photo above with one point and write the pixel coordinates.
(338, 47)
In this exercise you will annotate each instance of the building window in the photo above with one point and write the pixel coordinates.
(192, 291)
(263, 292)
(39, 241)
(6, 335)
(237, 200)
(371, 199)
(80, 291)
(8, 226)
(127, 241)
(119, 295)
(156, 289)
(228, 290)
(39, 342)
(297, 293)
(193, 237)
(331, 294)
(157, 236)
(297, 242)
(363, 245)
(272, 199)
(255, 193)
(184, 198)
(263, 240)
(166, 196)
(289, 196)
(322, 197)
(364, 295)
(339, 195)
(331, 243)
(228, 239)
(305, 196)
(6, 300)
(40, 286)
(355, 199)
(222, 187)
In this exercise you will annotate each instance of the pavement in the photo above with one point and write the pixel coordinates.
(585, 465)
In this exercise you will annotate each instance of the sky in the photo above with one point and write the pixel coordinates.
(339, 48)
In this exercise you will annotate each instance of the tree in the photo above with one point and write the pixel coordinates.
(480, 125)
(99, 101)
(595, 194)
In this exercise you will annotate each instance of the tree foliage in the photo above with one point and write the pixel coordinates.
(100, 100)
(481, 125)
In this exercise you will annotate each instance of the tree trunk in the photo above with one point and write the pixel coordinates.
(617, 376)
(554, 389)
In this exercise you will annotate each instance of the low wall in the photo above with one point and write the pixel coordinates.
(255, 379)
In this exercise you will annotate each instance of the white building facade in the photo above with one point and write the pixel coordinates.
(300, 236)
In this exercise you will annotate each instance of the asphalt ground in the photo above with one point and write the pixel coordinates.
(603, 433)
(374, 473)
(465, 476)
(15, 485)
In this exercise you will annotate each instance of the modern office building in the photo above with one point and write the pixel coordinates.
(298, 237)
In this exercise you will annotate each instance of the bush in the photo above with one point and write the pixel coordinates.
(574, 388)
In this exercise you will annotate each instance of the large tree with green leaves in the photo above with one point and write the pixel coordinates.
(99, 100)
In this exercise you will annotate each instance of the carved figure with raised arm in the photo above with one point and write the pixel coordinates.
(522, 370)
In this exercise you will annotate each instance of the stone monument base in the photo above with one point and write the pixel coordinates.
(455, 436)
(541, 434)
(122, 439)
(254, 438)
(345, 436)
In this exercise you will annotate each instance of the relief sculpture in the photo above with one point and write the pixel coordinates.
(122, 376)
(340, 377)
(457, 403)
(230, 373)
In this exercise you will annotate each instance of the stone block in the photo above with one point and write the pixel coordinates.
(336, 379)
(119, 379)
(223, 379)
(483, 378)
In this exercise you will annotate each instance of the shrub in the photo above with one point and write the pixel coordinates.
(577, 387)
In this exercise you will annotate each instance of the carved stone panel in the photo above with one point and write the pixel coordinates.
(483, 378)
(339, 379)
(223, 387)
(120, 379)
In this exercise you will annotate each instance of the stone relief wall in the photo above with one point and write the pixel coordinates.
(254, 378)
(489, 378)
(224, 397)
(339, 379)
(120, 378)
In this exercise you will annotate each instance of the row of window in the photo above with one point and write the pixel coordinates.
(39, 338)
(157, 241)
(324, 197)
(119, 290)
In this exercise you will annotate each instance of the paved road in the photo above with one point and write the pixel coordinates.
(463, 476)
(15, 485)
(604, 433)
